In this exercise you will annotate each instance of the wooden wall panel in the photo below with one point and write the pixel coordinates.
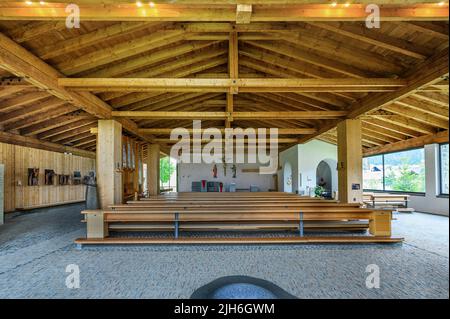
(18, 195)
(7, 158)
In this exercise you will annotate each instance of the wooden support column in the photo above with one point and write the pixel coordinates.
(350, 161)
(136, 150)
(153, 151)
(109, 162)
(233, 71)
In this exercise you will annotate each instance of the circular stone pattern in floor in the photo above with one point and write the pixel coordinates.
(240, 287)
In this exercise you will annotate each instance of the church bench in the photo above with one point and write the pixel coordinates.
(98, 221)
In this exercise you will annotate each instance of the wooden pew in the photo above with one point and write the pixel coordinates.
(194, 215)
(398, 202)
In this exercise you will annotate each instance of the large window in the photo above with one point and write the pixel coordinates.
(443, 159)
(398, 172)
(373, 172)
(168, 174)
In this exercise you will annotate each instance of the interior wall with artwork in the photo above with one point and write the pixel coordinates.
(243, 176)
(38, 178)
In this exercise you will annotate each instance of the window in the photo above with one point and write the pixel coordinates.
(443, 171)
(168, 174)
(373, 172)
(397, 172)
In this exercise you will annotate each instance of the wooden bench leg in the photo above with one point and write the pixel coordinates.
(380, 223)
(96, 225)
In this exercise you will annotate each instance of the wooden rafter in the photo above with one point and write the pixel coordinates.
(440, 137)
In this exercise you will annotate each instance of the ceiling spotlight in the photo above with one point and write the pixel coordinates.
(41, 2)
(29, 2)
(333, 4)
(151, 4)
(441, 3)
(139, 4)
(347, 4)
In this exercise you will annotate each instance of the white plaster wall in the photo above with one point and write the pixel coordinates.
(189, 172)
(304, 159)
(431, 203)
(309, 156)
(291, 156)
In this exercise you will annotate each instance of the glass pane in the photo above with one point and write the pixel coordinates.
(405, 171)
(444, 168)
(373, 172)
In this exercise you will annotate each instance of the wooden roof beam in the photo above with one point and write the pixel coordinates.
(22, 63)
(281, 131)
(431, 71)
(441, 137)
(183, 12)
(243, 13)
(225, 85)
(235, 115)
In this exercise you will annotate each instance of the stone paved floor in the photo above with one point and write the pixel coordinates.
(36, 247)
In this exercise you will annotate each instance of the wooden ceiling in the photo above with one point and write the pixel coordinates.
(302, 76)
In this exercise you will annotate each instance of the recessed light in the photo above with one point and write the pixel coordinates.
(441, 3)
(29, 2)
(151, 4)
(333, 4)
(347, 4)
(139, 4)
(41, 2)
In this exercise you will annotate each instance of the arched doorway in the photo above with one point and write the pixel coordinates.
(324, 176)
(287, 177)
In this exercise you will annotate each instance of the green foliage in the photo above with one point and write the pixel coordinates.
(166, 169)
(404, 179)
(319, 190)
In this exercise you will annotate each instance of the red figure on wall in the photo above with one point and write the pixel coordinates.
(215, 171)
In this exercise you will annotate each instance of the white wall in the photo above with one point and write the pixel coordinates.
(189, 172)
(304, 159)
(431, 203)
(288, 156)
(310, 155)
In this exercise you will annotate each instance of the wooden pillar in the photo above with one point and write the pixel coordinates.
(109, 162)
(136, 167)
(153, 169)
(350, 161)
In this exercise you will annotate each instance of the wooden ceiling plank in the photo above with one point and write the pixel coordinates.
(136, 67)
(417, 115)
(40, 117)
(91, 38)
(119, 51)
(35, 143)
(361, 33)
(27, 111)
(22, 63)
(441, 137)
(22, 100)
(407, 123)
(303, 55)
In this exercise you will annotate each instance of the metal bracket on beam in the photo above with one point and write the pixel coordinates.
(234, 87)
